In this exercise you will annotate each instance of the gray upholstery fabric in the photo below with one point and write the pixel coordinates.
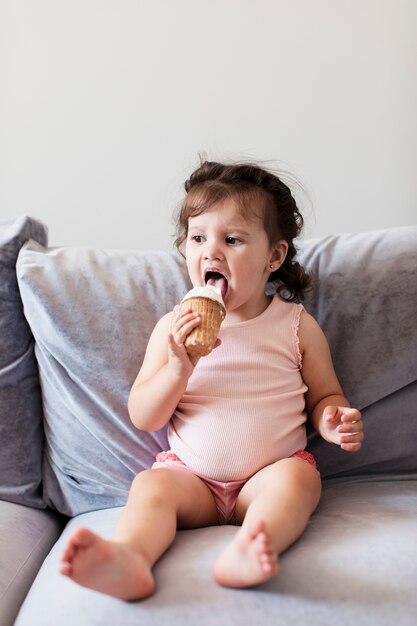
(355, 564)
(91, 313)
(21, 433)
(390, 441)
(365, 299)
(26, 537)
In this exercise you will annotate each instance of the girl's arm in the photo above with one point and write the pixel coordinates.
(326, 405)
(164, 374)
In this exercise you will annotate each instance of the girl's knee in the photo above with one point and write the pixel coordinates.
(295, 476)
(306, 480)
(303, 472)
(155, 483)
(160, 487)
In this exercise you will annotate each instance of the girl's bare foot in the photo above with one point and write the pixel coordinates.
(106, 566)
(250, 559)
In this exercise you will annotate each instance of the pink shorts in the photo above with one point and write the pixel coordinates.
(225, 494)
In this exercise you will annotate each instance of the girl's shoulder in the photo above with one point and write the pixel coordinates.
(162, 326)
(156, 353)
(161, 331)
(284, 307)
(309, 331)
(165, 320)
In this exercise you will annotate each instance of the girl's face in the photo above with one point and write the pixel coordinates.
(222, 243)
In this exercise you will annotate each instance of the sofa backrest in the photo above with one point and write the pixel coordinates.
(91, 312)
(365, 299)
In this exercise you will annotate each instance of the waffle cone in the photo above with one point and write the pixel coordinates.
(201, 340)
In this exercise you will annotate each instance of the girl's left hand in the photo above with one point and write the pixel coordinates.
(343, 426)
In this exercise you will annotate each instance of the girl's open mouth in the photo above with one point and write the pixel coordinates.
(217, 281)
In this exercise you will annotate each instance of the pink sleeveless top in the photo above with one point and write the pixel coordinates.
(243, 408)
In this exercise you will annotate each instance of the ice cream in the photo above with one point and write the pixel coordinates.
(208, 303)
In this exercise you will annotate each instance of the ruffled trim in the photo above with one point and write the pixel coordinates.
(296, 339)
(305, 456)
(161, 457)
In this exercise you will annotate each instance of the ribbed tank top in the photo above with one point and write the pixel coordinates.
(244, 404)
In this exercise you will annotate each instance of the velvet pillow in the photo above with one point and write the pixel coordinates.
(365, 299)
(91, 313)
(21, 432)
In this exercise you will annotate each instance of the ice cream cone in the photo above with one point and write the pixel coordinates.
(209, 305)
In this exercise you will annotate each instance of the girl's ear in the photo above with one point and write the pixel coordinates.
(278, 254)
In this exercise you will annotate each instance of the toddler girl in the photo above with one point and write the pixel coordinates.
(236, 418)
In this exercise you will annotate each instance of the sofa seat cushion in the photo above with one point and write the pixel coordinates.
(355, 564)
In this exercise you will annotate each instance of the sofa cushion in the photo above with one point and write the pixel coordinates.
(21, 432)
(389, 448)
(91, 312)
(355, 564)
(365, 299)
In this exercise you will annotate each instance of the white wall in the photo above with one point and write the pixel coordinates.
(105, 105)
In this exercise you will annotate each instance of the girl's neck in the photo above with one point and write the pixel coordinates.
(248, 311)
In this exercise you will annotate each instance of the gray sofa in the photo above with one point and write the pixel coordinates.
(74, 324)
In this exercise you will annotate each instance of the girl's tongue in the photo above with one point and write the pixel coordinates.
(219, 283)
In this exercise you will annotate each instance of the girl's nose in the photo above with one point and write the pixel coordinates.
(213, 250)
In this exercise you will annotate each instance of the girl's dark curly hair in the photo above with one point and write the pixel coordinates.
(254, 188)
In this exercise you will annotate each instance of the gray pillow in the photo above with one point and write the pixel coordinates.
(91, 313)
(21, 432)
(365, 299)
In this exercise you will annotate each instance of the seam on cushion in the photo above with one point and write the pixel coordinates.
(8, 368)
(34, 548)
(388, 395)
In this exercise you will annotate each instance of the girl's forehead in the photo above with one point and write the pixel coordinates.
(229, 209)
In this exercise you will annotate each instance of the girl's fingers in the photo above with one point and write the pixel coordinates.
(184, 330)
(331, 413)
(351, 415)
(351, 447)
(350, 427)
(182, 323)
(352, 438)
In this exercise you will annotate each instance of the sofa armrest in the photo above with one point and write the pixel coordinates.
(26, 537)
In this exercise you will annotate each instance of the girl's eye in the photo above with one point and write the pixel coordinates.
(197, 238)
(232, 240)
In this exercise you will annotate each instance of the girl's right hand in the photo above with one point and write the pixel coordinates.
(183, 321)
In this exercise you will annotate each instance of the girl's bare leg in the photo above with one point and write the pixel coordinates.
(159, 500)
(275, 506)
